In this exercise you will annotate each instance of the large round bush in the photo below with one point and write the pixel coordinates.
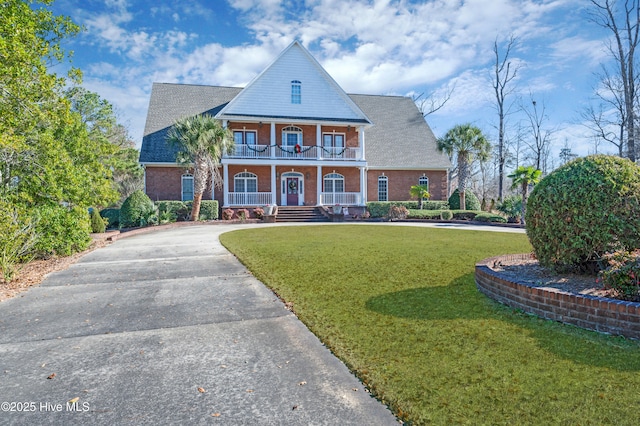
(470, 200)
(136, 210)
(584, 209)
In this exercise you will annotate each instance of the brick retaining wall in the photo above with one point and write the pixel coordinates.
(590, 312)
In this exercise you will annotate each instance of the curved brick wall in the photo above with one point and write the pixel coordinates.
(590, 312)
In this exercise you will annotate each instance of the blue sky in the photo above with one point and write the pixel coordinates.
(398, 47)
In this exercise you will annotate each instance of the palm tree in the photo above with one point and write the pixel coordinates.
(523, 177)
(468, 143)
(201, 140)
(421, 192)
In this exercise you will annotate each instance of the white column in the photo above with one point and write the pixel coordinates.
(225, 185)
(273, 139)
(274, 184)
(319, 185)
(361, 141)
(319, 141)
(363, 186)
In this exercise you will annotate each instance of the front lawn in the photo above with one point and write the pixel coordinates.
(399, 306)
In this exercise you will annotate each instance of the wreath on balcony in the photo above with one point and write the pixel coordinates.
(297, 149)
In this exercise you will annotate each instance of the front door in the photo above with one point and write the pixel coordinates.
(293, 191)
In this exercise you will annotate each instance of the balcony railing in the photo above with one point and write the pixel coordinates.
(342, 198)
(279, 152)
(250, 198)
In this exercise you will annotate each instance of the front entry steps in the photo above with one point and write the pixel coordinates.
(300, 214)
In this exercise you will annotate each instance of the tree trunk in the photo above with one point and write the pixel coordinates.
(525, 190)
(463, 173)
(195, 208)
(200, 175)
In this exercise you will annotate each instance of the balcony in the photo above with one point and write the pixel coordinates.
(278, 152)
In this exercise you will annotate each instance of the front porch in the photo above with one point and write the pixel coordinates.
(260, 185)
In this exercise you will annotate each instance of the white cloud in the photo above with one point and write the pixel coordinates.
(368, 46)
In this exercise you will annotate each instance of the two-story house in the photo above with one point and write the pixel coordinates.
(299, 140)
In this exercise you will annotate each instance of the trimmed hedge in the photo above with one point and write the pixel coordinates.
(180, 209)
(471, 201)
(424, 214)
(208, 210)
(464, 214)
(381, 208)
(112, 216)
(97, 222)
(137, 210)
(583, 210)
(490, 217)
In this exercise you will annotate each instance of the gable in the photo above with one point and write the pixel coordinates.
(269, 95)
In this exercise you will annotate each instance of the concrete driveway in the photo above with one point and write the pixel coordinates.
(168, 327)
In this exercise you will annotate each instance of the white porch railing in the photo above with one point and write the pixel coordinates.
(289, 153)
(249, 198)
(342, 198)
(251, 151)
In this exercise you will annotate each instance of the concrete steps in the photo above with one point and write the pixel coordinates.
(300, 214)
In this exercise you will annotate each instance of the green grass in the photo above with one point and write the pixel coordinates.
(399, 306)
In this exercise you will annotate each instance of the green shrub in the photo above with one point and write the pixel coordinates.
(258, 212)
(61, 230)
(97, 222)
(381, 208)
(622, 274)
(446, 215)
(17, 238)
(471, 201)
(511, 206)
(137, 210)
(112, 216)
(584, 209)
(424, 214)
(179, 210)
(209, 210)
(464, 214)
(490, 217)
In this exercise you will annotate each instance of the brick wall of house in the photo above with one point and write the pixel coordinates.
(401, 181)
(590, 312)
(165, 183)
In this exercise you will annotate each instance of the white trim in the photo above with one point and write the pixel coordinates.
(283, 190)
(182, 179)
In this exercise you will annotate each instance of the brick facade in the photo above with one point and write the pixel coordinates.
(401, 181)
(165, 183)
(590, 312)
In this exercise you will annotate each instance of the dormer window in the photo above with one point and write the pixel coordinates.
(296, 92)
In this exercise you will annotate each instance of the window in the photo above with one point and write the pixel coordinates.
(383, 188)
(334, 182)
(291, 136)
(333, 140)
(424, 181)
(245, 182)
(296, 92)
(187, 187)
(244, 137)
